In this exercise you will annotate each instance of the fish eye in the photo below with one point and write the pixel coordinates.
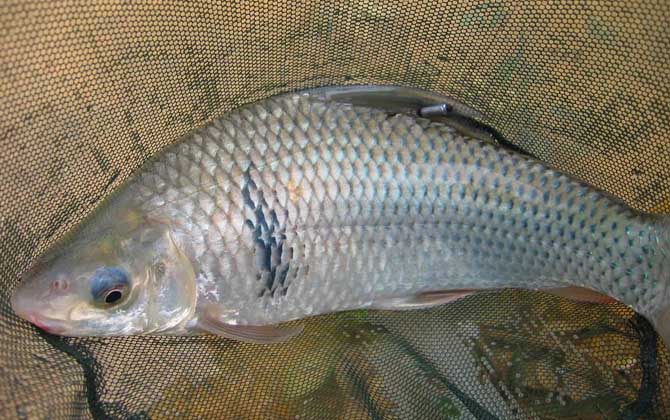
(113, 296)
(109, 286)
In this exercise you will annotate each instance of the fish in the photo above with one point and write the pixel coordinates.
(314, 202)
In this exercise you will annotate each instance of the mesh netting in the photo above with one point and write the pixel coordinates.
(91, 90)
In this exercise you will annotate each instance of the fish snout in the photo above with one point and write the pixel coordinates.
(43, 283)
(22, 304)
(29, 310)
(34, 319)
(42, 323)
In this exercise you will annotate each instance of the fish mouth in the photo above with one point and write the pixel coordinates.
(48, 325)
(44, 324)
(27, 312)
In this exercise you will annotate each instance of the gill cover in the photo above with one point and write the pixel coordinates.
(171, 288)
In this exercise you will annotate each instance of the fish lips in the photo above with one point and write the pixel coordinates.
(33, 311)
(46, 324)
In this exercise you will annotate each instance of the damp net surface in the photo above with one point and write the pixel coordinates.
(92, 89)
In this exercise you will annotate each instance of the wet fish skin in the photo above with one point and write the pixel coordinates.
(297, 206)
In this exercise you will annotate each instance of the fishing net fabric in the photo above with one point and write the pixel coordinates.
(91, 89)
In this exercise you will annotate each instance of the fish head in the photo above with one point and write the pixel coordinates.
(120, 275)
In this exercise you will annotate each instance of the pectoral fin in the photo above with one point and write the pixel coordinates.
(259, 334)
(420, 301)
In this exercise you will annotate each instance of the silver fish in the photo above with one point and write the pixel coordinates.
(302, 205)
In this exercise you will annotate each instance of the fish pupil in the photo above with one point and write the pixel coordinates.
(113, 296)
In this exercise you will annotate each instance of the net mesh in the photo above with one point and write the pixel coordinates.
(92, 89)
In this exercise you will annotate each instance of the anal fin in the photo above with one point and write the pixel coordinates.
(258, 334)
(580, 294)
(421, 301)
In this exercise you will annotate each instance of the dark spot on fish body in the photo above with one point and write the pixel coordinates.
(268, 237)
(452, 160)
(281, 279)
(546, 196)
(558, 198)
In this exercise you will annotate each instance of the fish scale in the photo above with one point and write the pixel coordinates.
(297, 206)
(319, 208)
